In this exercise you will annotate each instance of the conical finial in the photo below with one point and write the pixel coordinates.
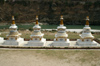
(13, 20)
(87, 20)
(37, 20)
(61, 22)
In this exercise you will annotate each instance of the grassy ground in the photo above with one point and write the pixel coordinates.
(47, 35)
(50, 26)
(10, 57)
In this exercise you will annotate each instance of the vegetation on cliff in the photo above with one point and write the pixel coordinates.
(49, 11)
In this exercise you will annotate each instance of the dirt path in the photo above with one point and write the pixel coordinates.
(49, 57)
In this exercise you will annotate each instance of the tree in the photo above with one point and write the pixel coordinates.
(97, 4)
(87, 5)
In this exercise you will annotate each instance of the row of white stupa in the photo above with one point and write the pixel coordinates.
(37, 40)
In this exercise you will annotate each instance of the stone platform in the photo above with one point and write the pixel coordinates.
(46, 44)
(13, 42)
(36, 43)
(86, 43)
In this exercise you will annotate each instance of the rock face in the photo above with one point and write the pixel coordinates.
(49, 11)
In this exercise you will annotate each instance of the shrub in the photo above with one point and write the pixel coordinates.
(93, 32)
(30, 29)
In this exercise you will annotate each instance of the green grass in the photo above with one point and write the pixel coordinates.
(3, 35)
(96, 35)
(72, 35)
(50, 26)
(49, 36)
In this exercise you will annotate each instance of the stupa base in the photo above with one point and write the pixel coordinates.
(86, 43)
(60, 43)
(13, 42)
(36, 43)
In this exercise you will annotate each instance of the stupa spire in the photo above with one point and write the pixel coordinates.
(13, 20)
(61, 18)
(87, 20)
(37, 20)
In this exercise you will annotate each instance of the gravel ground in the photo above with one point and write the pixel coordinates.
(15, 57)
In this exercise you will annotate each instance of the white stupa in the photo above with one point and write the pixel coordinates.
(61, 36)
(37, 39)
(86, 36)
(1, 40)
(13, 38)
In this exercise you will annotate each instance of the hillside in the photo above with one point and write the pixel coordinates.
(49, 11)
